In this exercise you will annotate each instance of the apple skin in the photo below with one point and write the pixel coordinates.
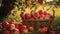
(12, 27)
(45, 13)
(12, 22)
(4, 24)
(40, 12)
(1, 26)
(17, 26)
(31, 28)
(43, 29)
(40, 2)
(8, 27)
(37, 14)
(22, 14)
(48, 16)
(24, 26)
(6, 32)
(32, 18)
(20, 25)
(24, 29)
(42, 16)
(16, 31)
(52, 32)
(27, 16)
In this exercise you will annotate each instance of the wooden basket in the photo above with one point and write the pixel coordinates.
(38, 23)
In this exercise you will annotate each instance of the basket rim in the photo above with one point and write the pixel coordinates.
(27, 20)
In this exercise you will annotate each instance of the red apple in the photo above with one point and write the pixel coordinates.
(21, 23)
(12, 26)
(22, 14)
(52, 32)
(12, 22)
(48, 16)
(24, 26)
(27, 16)
(16, 31)
(43, 29)
(40, 12)
(42, 16)
(32, 18)
(40, 2)
(24, 30)
(37, 14)
(17, 26)
(31, 28)
(6, 32)
(1, 26)
(45, 13)
(8, 27)
(4, 24)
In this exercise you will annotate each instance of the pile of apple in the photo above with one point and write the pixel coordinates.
(33, 15)
(13, 27)
(20, 28)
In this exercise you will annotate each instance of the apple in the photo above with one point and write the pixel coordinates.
(40, 12)
(42, 16)
(27, 16)
(16, 31)
(45, 13)
(48, 16)
(4, 24)
(31, 28)
(12, 26)
(22, 14)
(43, 29)
(24, 30)
(12, 21)
(17, 26)
(21, 23)
(52, 32)
(8, 27)
(1, 26)
(40, 2)
(37, 14)
(24, 26)
(32, 18)
(6, 32)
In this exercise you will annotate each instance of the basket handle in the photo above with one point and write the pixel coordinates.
(53, 12)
